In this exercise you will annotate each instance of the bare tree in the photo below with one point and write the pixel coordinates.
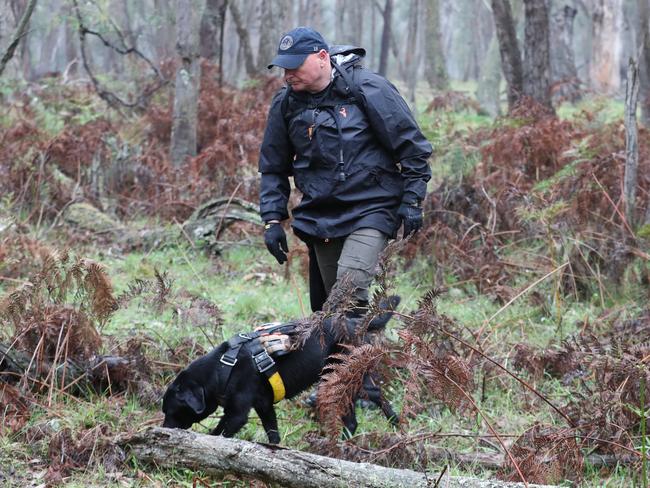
(509, 48)
(563, 66)
(631, 142)
(18, 36)
(490, 79)
(411, 57)
(643, 39)
(537, 60)
(268, 35)
(188, 74)
(607, 17)
(244, 39)
(211, 30)
(436, 70)
(386, 35)
(339, 21)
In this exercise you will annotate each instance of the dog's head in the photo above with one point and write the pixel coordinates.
(184, 402)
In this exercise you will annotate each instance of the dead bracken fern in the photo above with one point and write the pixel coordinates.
(341, 382)
(433, 374)
(44, 325)
(545, 455)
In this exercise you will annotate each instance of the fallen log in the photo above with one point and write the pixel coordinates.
(219, 456)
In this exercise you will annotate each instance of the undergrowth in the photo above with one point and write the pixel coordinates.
(519, 349)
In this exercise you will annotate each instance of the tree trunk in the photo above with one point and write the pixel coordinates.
(511, 62)
(218, 455)
(21, 31)
(537, 58)
(269, 35)
(210, 30)
(631, 143)
(436, 69)
(563, 66)
(356, 16)
(188, 74)
(71, 45)
(385, 38)
(606, 45)
(643, 39)
(488, 92)
(411, 55)
(339, 22)
(244, 39)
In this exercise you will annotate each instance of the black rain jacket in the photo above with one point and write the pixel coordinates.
(376, 143)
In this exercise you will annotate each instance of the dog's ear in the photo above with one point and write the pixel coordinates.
(193, 397)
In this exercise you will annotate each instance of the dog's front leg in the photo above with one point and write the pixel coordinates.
(218, 430)
(235, 416)
(269, 421)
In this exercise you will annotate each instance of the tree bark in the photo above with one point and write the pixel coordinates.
(244, 39)
(511, 62)
(563, 65)
(21, 31)
(643, 39)
(273, 464)
(537, 57)
(631, 142)
(488, 92)
(606, 45)
(339, 22)
(436, 70)
(411, 55)
(188, 75)
(210, 31)
(268, 40)
(385, 37)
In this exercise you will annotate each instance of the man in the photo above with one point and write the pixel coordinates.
(355, 152)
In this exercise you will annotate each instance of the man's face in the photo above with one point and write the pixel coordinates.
(311, 76)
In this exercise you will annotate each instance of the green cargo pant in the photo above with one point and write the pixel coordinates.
(355, 255)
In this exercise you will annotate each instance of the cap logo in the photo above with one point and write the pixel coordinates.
(286, 43)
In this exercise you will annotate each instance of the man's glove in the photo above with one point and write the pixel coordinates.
(276, 241)
(411, 216)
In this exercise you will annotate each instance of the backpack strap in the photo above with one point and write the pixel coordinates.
(351, 83)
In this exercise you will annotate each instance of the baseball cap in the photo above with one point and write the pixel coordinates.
(296, 45)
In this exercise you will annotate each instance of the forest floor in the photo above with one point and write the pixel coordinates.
(535, 292)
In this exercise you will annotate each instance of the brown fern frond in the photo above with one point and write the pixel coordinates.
(98, 287)
(163, 288)
(15, 304)
(134, 289)
(314, 324)
(341, 299)
(341, 383)
(545, 455)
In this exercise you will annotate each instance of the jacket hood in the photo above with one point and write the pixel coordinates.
(346, 54)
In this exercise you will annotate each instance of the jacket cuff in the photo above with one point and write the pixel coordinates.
(411, 198)
(273, 216)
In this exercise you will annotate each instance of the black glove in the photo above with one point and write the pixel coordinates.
(411, 216)
(276, 241)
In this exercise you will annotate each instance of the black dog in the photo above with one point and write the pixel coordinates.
(197, 390)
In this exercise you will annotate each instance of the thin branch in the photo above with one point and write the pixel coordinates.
(21, 32)
(109, 97)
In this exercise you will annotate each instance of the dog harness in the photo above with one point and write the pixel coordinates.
(265, 342)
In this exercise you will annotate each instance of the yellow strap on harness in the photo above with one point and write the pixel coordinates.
(278, 387)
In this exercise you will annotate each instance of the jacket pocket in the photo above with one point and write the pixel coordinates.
(325, 144)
